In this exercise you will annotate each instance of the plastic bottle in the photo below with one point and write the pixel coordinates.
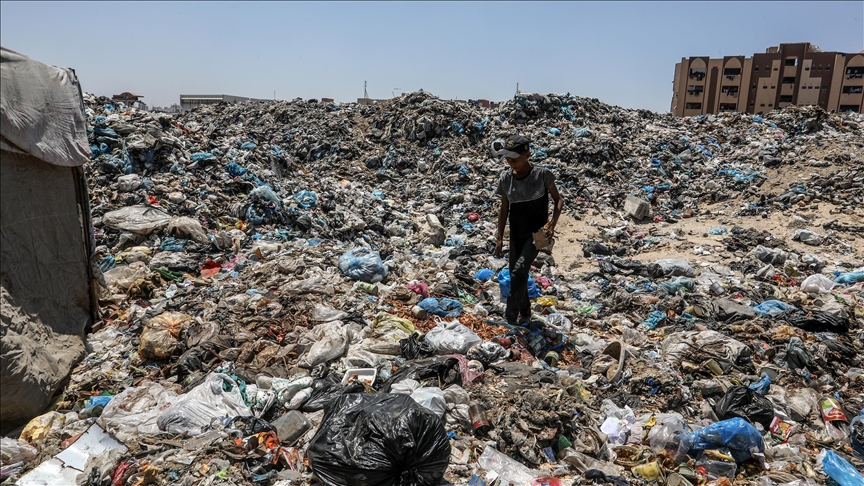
(477, 414)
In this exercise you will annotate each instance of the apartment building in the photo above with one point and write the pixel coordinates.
(788, 74)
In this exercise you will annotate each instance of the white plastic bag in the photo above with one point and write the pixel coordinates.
(186, 227)
(431, 397)
(817, 284)
(12, 451)
(331, 341)
(142, 220)
(210, 400)
(134, 411)
(559, 322)
(452, 338)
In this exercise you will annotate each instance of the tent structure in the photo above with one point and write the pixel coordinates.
(48, 293)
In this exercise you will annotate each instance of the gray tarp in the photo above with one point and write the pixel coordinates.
(44, 242)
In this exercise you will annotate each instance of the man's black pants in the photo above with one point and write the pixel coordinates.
(521, 256)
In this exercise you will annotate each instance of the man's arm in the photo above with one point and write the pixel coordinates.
(502, 222)
(559, 204)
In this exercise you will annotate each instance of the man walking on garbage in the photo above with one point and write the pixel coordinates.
(524, 191)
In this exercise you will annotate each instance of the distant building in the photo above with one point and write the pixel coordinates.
(789, 74)
(130, 99)
(187, 102)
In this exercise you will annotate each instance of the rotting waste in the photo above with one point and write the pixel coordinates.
(272, 268)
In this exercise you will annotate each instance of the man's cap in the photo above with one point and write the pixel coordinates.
(512, 148)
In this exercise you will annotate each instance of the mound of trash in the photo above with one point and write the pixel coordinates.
(301, 292)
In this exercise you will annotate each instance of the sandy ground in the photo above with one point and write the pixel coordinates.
(693, 232)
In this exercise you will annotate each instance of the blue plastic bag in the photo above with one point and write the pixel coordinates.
(235, 170)
(856, 428)
(849, 278)
(840, 470)
(674, 284)
(653, 320)
(718, 230)
(736, 434)
(457, 127)
(773, 308)
(363, 264)
(581, 132)
(306, 199)
(443, 307)
(761, 386)
(172, 244)
(248, 146)
(484, 274)
(554, 131)
(504, 285)
(107, 263)
(99, 401)
(201, 156)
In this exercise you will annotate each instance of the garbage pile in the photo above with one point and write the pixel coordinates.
(299, 292)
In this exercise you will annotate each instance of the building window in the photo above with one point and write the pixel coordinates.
(755, 68)
(699, 73)
(752, 103)
(728, 106)
(692, 106)
(730, 90)
(806, 69)
(770, 104)
(786, 99)
(789, 80)
(775, 69)
(732, 72)
(692, 89)
(761, 104)
(852, 108)
(852, 89)
(764, 87)
(773, 87)
(854, 72)
(792, 61)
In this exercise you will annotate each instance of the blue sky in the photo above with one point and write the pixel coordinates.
(622, 53)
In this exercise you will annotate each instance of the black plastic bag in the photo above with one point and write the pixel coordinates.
(818, 321)
(251, 425)
(325, 392)
(445, 368)
(740, 401)
(412, 348)
(383, 439)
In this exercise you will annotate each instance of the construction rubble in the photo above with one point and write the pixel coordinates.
(300, 292)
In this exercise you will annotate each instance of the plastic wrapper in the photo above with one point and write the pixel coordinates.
(452, 338)
(121, 277)
(559, 322)
(510, 471)
(363, 264)
(217, 397)
(849, 278)
(384, 439)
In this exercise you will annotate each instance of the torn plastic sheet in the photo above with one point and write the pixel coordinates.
(65, 467)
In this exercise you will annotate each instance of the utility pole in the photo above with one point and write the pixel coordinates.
(365, 93)
(517, 88)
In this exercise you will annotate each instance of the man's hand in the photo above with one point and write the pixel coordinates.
(499, 248)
